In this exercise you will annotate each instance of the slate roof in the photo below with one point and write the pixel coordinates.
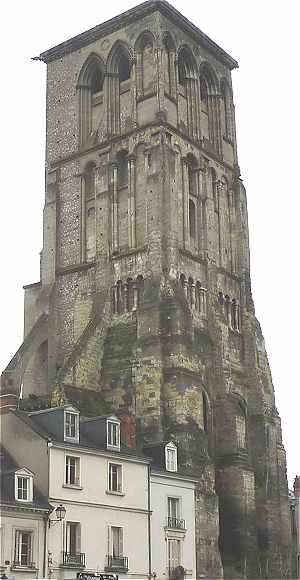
(84, 441)
(8, 467)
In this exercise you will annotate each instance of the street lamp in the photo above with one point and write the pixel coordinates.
(60, 512)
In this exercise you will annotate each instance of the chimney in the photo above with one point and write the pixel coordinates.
(297, 486)
(128, 431)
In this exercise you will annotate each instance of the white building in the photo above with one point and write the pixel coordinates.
(102, 485)
(173, 516)
(112, 511)
(23, 522)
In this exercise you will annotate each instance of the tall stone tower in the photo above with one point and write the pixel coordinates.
(145, 295)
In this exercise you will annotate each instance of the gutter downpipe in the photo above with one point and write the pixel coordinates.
(46, 519)
(149, 526)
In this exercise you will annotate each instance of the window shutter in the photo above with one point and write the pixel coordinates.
(29, 551)
(109, 551)
(17, 543)
(67, 536)
(78, 538)
(121, 542)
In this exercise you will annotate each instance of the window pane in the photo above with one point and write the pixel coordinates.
(116, 538)
(70, 425)
(23, 483)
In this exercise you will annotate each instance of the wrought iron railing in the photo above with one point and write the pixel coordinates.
(117, 563)
(177, 523)
(73, 559)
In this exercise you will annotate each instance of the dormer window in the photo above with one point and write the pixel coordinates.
(171, 457)
(113, 434)
(71, 426)
(23, 486)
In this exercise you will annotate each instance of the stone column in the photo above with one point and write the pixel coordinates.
(159, 76)
(131, 203)
(134, 91)
(114, 208)
(113, 103)
(186, 220)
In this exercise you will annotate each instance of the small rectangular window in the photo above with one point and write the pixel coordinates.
(171, 457)
(23, 548)
(113, 434)
(23, 488)
(72, 470)
(115, 477)
(116, 542)
(71, 425)
(174, 556)
(173, 507)
(73, 538)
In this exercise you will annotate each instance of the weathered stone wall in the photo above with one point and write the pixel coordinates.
(158, 320)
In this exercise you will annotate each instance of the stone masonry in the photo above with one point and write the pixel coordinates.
(145, 296)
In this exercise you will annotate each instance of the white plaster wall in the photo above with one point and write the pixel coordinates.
(163, 487)
(96, 510)
(10, 522)
(94, 479)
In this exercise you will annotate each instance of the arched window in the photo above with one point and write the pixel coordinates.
(122, 161)
(90, 212)
(123, 67)
(209, 107)
(192, 220)
(204, 95)
(226, 110)
(189, 89)
(146, 66)
(119, 70)
(169, 60)
(90, 85)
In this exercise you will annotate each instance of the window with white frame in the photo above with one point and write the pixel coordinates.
(23, 487)
(71, 425)
(73, 538)
(173, 508)
(116, 542)
(23, 548)
(72, 470)
(174, 554)
(113, 434)
(115, 477)
(171, 457)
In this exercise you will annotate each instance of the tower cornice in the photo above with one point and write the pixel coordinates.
(130, 16)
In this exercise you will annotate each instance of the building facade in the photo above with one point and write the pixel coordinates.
(109, 512)
(24, 514)
(144, 300)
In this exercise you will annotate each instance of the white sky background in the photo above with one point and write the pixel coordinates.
(263, 35)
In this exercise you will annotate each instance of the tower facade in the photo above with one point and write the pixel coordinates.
(144, 299)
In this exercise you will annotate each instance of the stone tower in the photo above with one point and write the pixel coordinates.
(145, 295)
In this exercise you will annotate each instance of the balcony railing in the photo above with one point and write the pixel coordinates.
(23, 563)
(117, 563)
(76, 560)
(177, 523)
